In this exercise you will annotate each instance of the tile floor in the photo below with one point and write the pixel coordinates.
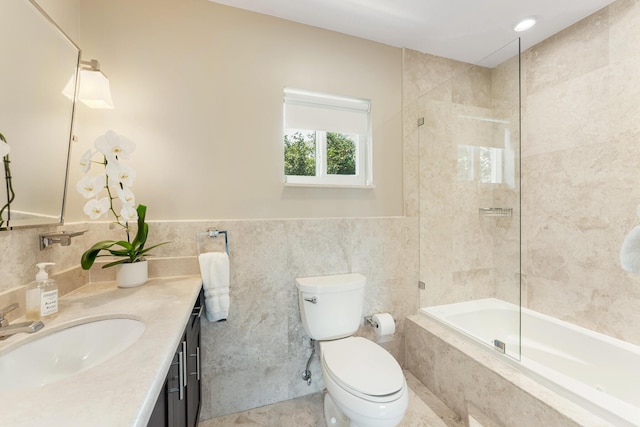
(425, 410)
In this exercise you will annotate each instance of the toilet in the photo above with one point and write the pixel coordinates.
(365, 384)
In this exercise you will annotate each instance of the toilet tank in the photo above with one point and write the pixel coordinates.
(331, 306)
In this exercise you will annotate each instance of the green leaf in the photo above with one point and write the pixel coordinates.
(129, 252)
(143, 228)
(120, 261)
(89, 256)
(146, 250)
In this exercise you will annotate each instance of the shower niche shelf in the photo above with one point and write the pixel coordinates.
(496, 211)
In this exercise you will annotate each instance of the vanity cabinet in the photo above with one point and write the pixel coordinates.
(193, 358)
(178, 404)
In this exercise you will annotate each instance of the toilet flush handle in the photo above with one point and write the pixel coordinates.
(312, 300)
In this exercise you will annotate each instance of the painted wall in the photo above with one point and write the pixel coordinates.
(65, 13)
(198, 86)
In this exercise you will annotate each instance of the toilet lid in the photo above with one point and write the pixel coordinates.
(362, 365)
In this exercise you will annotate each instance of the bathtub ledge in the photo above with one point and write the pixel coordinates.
(534, 400)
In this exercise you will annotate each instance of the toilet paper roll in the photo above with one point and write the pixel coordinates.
(385, 322)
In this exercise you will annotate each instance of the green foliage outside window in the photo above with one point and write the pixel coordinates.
(300, 154)
(341, 154)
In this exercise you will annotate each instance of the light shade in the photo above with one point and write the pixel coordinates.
(94, 89)
(93, 86)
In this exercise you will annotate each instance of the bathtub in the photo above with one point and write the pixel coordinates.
(595, 371)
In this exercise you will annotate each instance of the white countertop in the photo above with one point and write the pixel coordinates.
(121, 391)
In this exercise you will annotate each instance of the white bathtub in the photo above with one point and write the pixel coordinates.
(600, 373)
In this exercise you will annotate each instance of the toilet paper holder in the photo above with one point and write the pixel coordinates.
(368, 320)
(383, 323)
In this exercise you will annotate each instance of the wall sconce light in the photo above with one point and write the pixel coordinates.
(93, 89)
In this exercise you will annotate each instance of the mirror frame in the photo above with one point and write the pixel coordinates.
(12, 224)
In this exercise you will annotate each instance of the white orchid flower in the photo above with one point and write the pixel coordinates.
(90, 186)
(85, 161)
(113, 145)
(119, 173)
(128, 213)
(95, 208)
(126, 196)
(4, 148)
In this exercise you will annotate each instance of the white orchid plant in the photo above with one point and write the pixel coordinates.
(117, 181)
(4, 153)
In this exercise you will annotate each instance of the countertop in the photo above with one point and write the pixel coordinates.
(121, 391)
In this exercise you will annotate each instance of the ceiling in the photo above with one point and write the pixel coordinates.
(466, 30)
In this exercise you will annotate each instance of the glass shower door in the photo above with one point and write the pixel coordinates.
(469, 145)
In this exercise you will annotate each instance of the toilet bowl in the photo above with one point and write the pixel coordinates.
(364, 382)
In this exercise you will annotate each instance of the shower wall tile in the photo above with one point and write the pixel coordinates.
(421, 74)
(473, 88)
(580, 179)
(504, 85)
(580, 171)
(411, 160)
(458, 247)
(624, 29)
(579, 50)
(567, 115)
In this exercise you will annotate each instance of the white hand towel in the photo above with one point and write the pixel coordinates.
(214, 268)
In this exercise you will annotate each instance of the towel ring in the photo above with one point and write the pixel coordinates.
(212, 233)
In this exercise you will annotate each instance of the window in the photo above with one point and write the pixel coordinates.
(327, 139)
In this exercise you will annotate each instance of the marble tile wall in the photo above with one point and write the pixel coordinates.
(470, 381)
(464, 255)
(421, 74)
(257, 356)
(19, 253)
(580, 175)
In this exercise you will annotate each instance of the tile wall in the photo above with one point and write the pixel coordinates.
(257, 356)
(580, 177)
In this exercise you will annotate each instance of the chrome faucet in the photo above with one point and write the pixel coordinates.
(6, 330)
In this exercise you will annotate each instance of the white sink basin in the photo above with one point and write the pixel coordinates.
(66, 352)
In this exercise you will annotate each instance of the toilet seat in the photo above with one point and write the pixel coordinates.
(363, 368)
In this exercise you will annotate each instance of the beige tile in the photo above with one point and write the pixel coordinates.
(576, 51)
(425, 410)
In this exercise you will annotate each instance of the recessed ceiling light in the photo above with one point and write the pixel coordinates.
(525, 24)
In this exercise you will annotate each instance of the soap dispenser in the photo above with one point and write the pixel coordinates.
(32, 305)
(42, 295)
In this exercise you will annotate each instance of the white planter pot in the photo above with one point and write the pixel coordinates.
(130, 275)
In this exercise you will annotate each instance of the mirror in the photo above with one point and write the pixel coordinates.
(36, 118)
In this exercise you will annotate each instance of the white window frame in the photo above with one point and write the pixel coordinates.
(334, 104)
